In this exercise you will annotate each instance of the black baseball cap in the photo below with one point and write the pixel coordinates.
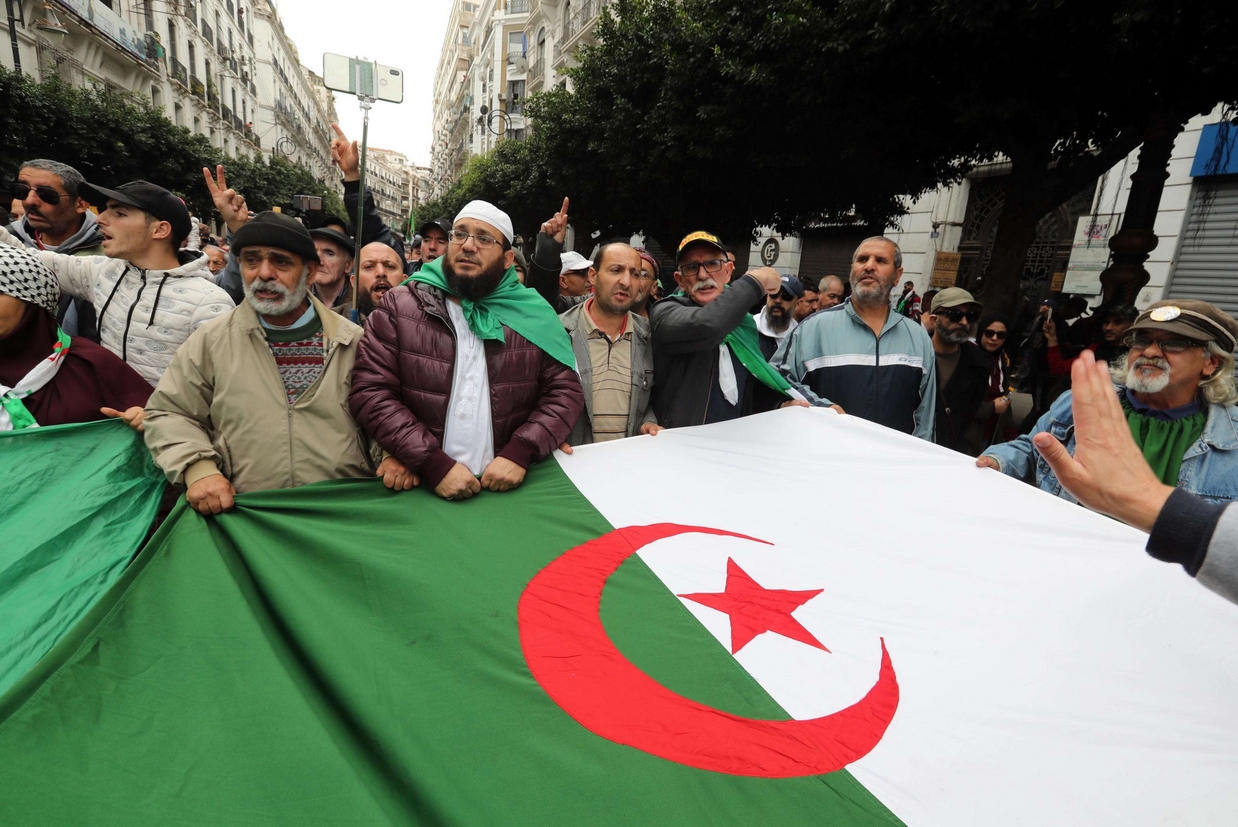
(332, 234)
(148, 197)
(699, 237)
(442, 223)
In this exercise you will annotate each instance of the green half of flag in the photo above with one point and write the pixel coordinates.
(75, 504)
(342, 654)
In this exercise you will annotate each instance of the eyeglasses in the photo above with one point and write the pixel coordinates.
(691, 268)
(485, 242)
(1137, 342)
(995, 334)
(957, 316)
(46, 194)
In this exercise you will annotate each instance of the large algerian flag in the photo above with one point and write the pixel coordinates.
(75, 504)
(793, 618)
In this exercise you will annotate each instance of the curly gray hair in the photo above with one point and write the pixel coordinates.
(1218, 389)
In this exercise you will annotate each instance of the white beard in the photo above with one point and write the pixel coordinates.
(1137, 383)
(292, 299)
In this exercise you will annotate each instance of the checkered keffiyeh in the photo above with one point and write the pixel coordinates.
(24, 277)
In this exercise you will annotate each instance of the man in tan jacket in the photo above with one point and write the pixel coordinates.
(258, 399)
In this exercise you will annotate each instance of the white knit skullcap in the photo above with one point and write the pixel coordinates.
(492, 215)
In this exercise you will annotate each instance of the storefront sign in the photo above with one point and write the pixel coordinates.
(945, 269)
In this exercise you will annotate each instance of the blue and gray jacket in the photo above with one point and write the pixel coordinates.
(834, 358)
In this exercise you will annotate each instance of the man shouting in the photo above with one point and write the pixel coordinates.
(464, 375)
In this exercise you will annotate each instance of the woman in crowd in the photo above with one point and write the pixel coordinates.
(993, 422)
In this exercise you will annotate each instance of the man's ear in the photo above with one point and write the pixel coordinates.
(679, 281)
(1211, 365)
(593, 276)
(80, 206)
(509, 258)
(161, 231)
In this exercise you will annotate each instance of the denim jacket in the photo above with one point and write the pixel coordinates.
(1209, 467)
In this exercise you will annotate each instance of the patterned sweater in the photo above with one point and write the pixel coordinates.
(299, 355)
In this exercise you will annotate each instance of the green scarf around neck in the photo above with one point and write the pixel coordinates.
(746, 345)
(511, 304)
(1164, 443)
(744, 341)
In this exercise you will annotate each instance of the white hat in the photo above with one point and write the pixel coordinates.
(492, 215)
(573, 261)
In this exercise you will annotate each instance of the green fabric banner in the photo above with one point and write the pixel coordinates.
(76, 501)
(343, 654)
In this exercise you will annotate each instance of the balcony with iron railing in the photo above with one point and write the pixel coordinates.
(197, 89)
(208, 34)
(191, 11)
(577, 23)
(179, 73)
(221, 48)
(227, 114)
(536, 71)
(517, 6)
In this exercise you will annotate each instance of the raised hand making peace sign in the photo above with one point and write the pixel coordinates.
(231, 204)
(556, 227)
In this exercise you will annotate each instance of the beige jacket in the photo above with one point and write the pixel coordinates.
(221, 408)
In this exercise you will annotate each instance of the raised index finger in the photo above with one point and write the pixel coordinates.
(564, 210)
(339, 131)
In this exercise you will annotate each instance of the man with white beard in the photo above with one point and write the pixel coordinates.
(257, 399)
(1177, 390)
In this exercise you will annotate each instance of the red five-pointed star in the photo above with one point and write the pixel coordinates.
(755, 609)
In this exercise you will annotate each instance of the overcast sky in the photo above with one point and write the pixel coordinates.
(407, 36)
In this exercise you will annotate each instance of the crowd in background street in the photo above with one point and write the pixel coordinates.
(276, 355)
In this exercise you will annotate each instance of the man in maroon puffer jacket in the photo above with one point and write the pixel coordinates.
(463, 374)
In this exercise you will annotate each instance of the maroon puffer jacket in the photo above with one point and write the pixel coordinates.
(401, 384)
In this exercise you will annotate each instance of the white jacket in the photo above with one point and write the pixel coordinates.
(125, 296)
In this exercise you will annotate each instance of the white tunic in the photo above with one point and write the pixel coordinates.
(468, 436)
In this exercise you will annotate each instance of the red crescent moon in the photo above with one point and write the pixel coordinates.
(575, 662)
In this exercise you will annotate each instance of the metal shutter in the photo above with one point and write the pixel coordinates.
(828, 252)
(1207, 265)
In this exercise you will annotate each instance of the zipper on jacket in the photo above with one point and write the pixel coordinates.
(124, 338)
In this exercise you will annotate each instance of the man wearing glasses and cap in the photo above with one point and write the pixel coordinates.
(706, 350)
(1177, 390)
(962, 367)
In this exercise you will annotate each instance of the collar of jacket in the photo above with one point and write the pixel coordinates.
(891, 320)
(333, 332)
(572, 322)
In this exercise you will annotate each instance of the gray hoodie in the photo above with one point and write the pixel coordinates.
(86, 242)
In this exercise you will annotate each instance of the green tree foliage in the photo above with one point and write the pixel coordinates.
(113, 137)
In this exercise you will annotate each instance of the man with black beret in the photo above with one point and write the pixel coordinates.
(1176, 387)
(258, 399)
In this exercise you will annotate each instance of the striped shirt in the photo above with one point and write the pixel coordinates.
(612, 378)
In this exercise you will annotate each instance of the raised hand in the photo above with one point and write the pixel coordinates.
(231, 204)
(344, 152)
(556, 227)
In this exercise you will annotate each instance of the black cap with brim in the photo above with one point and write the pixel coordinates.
(147, 197)
(331, 234)
(272, 229)
(442, 223)
(699, 237)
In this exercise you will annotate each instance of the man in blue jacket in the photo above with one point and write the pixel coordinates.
(860, 357)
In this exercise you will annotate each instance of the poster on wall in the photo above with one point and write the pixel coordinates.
(1089, 254)
(945, 269)
(108, 23)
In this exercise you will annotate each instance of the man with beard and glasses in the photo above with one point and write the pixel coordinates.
(56, 219)
(706, 350)
(1176, 387)
(463, 374)
(378, 272)
(258, 399)
(962, 367)
(612, 350)
(863, 358)
(776, 318)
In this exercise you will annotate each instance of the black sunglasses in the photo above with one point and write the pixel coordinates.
(995, 334)
(957, 316)
(46, 194)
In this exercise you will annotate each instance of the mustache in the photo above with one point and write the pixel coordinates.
(1152, 361)
(704, 284)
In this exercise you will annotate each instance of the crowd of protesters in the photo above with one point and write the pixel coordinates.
(277, 355)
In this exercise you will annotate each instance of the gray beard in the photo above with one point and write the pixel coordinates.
(953, 338)
(869, 297)
(292, 299)
(1138, 384)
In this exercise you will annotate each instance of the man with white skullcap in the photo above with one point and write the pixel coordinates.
(46, 376)
(463, 374)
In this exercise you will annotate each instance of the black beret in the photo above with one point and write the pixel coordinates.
(273, 229)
